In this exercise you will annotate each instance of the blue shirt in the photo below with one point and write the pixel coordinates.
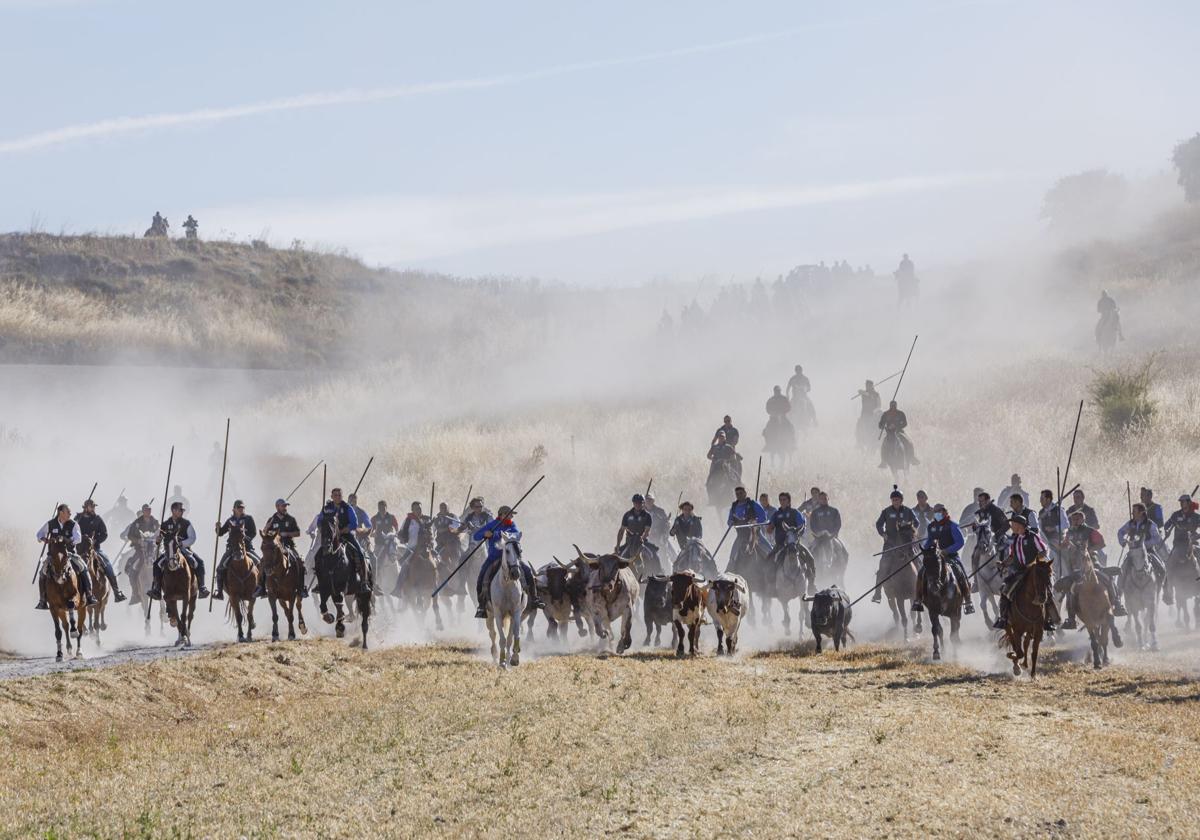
(787, 522)
(493, 542)
(745, 510)
(945, 535)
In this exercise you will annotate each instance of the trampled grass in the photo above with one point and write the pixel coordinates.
(315, 739)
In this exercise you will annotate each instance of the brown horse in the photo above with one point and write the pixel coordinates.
(64, 596)
(420, 577)
(95, 613)
(1027, 616)
(179, 589)
(1094, 610)
(900, 587)
(241, 582)
(283, 585)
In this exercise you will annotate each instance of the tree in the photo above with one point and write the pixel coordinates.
(1187, 163)
(1086, 203)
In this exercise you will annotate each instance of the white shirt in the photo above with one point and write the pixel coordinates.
(76, 535)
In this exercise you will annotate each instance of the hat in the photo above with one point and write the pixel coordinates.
(87, 502)
(686, 504)
(1185, 498)
(1076, 510)
(177, 505)
(238, 503)
(1018, 519)
(637, 497)
(279, 502)
(146, 507)
(896, 494)
(649, 497)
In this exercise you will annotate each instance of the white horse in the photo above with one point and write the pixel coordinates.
(506, 605)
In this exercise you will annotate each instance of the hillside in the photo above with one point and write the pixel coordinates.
(95, 299)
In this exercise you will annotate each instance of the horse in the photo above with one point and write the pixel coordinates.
(450, 554)
(1141, 594)
(787, 581)
(893, 455)
(896, 565)
(779, 439)
(941, 596)
(1107, 330)
(140, 571)
(506, 605)
(179, 589)
(1027, 616)
(389, 555)
(64, 596)
(332, 565)
(866, 430)
(95, 613)
(420, 578)
(645, 562)
(723, 476)
(831, 558)
(1094, 610)
(241, 582)
(695, 556)
(989, 579)
(283, 584)
(1182, 570)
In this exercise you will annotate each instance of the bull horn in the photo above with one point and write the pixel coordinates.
(561, 563)
(582, 559)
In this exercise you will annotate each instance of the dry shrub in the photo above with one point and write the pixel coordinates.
(1122, 398)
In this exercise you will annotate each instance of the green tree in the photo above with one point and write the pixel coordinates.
(1187, 163)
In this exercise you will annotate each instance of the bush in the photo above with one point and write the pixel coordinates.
(1122, 398)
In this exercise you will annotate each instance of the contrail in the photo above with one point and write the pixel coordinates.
(129, 125)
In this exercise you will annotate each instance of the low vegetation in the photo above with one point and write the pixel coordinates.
(315, 739)
(1122, 398)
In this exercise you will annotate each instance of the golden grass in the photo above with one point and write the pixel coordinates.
(315, 739)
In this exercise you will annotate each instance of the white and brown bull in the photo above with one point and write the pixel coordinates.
(728, 596)
(612, 591)
(688, 598)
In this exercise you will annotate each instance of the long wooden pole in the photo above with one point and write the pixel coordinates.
(513, 509)
(220, 509)
(288, 497)
(858, 394)
(162, 518)
(370, 461)
(467, 503)
(324, 477)
(903, 371)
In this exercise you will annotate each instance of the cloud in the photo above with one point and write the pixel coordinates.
(409, 230)
(119, 126)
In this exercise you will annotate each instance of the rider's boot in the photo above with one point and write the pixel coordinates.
(919, 593)
(219, 590)
(155, 592)
(1002, 619)
(198, 571)
(41, 604)
(85, 584)
(481, 610)
(118, 595)
(303, 585)
(877, 597)
(964, 586)
(261, 590)
(1118, 608)
(1070, 623)
(1116, 635)
(1167, 598)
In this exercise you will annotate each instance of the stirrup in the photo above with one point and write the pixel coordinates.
(218, 595)
(1070, 624)
(119, 596)
(876, 599)
(1119, 610)
(89, 600)
(303, 591)
(1000, 623)
(42, 605)
(918, 606)
(202, 592)
(968, 608)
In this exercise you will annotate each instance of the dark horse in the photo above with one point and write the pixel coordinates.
(941, 596)
(333, 581)
(1027, 616)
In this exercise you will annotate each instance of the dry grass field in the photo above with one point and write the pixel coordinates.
(317, 739)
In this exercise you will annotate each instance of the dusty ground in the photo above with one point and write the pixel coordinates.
(318, 739)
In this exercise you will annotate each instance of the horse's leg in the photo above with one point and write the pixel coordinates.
(58, 634)
(364, 609)
(1152, 622)
(491, 627)
(1033, 655)
(326, 615)
(235, 606)
(935, 630)
(787, 617)
(250, 618)
(437, 617)
(274, 618)
(1015, 640)
(515, 658)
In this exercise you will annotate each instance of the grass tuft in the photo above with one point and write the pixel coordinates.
(1122, 398)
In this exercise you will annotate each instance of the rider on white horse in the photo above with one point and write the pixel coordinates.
(501, 527)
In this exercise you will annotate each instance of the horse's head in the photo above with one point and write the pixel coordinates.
(1040, 573)
(931, 561)
(174, 561)
(1139, 560)
(57, 560)
(510, 554)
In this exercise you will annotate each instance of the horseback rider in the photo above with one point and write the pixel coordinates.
(134, 531)
(348, 526)
(728, 430)
(810, 504)
(1052, 524)
(787, 526)
(871, 400)
(493, 531)
(1153, 509)
(1090, 519)
(687, 526)
(1184, 529)
(93, 529)
(284, 524)
(823, 518)
(661, 524)
(778, 405)
(1025, 547)
(744, 513)
(446, 528)
(177, 496)
(798, 386)
(894, 421)
(475, 517)
(61, 526)
(724, 455)
(1081, 538)
(897, 525)
(1141, 528)
(120, 512)
(416, 531)
(967, 517)
(1014, 486)
(364, 518)
(1107, 308)
(636, 525)
(924, 513)
(991, 523)
(383, 524)
(241, 530)
(945, 537)
(1017, 507)
(178, 531)
(190, 227)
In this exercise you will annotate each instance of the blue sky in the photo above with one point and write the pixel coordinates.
(584, 141)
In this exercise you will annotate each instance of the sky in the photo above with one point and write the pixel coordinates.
(584, 142)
